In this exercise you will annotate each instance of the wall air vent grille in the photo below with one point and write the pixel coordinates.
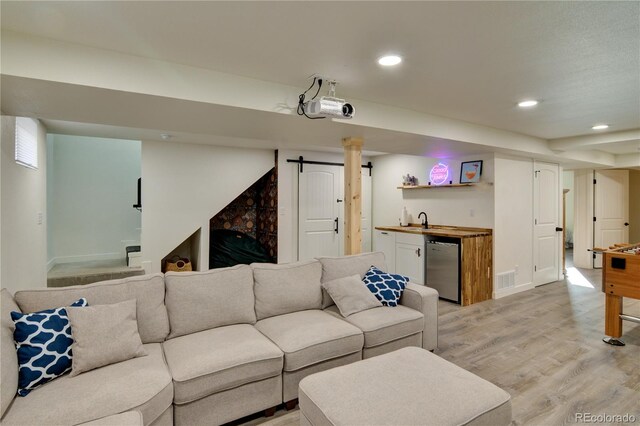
(506, 280)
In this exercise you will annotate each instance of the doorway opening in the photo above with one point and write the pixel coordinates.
(92, 186)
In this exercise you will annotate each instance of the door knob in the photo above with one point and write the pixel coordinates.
(558, 229)
(626, 224)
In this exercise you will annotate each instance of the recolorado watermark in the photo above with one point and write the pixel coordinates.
(605, 418)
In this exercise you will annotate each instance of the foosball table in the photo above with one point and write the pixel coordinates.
(620, 279)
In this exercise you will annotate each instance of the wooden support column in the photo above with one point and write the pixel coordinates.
(352, 195)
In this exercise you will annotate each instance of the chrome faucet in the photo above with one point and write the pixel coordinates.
(425, 223)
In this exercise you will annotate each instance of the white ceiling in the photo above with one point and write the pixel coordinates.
(470, 61)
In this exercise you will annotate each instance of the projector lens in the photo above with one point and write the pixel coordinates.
(347, 110)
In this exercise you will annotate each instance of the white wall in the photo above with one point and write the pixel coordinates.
(513, 233)
(634, 206)
(184, 186)
(92, 186)
(462, 206)
(567, 177)
(24, 198)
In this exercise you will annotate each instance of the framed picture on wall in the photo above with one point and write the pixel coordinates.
(470, 171)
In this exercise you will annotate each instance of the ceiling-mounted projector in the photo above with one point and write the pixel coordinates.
(325, 106)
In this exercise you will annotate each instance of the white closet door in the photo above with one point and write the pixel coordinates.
(546, 237)
(611, 210)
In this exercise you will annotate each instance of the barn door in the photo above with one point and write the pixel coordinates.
(320, 211)
(366, 211)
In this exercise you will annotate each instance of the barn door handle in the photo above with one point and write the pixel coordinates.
(336, 228)
(418, 252)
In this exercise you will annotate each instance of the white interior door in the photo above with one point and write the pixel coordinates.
(366, 211)
(611, 210)
(547, 207)
(320, 211)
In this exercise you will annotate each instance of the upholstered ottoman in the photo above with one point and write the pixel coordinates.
(410, 386)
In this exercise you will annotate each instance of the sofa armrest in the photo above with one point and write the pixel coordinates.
(425, 300)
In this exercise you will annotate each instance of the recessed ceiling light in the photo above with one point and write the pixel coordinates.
(600, 127)
(389, 60)
(165, 136)
(528, 103)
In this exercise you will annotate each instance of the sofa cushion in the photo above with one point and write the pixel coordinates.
(350, 295)
(281, 289)
(384, 324)
(310, 337)
(43, 343)
(345, 266)
(148, 290)
(223, 358)
(199, 301)
(103, 335)
(8, 354)
(142, 384)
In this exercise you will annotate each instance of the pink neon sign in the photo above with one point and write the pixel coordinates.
(439, 174)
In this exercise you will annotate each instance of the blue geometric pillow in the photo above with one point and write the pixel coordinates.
(43, 340)
(386, 287)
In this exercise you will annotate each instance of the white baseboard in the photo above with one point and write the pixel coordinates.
(87, 257)
(513, 290)
(51, 263)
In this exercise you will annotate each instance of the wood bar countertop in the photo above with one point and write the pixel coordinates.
(439, 230)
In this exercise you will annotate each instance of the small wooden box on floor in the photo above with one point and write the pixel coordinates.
(620, 278)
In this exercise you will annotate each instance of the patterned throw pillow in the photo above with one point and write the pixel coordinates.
(386, 287)
(43, 340)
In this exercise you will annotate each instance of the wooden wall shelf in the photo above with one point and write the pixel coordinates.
(455, 185)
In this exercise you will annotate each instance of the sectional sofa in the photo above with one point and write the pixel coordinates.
(220, 344)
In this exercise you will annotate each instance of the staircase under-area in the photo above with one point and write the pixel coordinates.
(78, 273)
(246, 230)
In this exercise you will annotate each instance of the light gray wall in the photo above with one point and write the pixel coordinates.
(513, 234)
(92, 187)
(23, 193)
(461, 206)
(634, 206)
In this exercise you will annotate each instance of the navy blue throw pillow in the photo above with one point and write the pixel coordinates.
(386, 287)
(43, 340)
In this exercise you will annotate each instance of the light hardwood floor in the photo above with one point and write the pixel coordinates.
(543, 346)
